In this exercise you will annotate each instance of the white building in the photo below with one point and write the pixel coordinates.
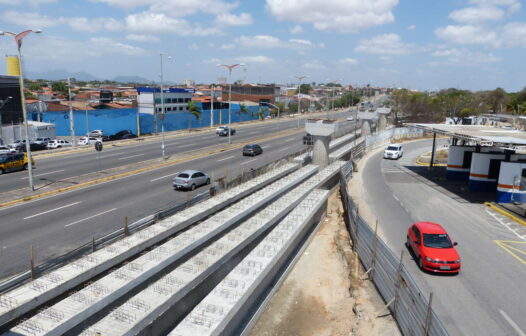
(175, 99)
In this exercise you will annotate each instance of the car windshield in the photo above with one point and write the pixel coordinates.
(3, 159)
(183, 175)
(437, 240)
(393, 148)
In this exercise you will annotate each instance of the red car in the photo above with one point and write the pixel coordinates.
(432, 248)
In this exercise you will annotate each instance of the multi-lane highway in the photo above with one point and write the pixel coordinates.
(55, 225)
(487, 297)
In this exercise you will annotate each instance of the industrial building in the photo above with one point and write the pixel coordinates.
(175, 99)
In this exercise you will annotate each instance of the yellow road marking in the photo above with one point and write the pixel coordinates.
(505, 213)
(505, 245)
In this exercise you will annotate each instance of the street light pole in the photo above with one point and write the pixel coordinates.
(1, 107)
(212, 106)
(162, 108)
(300, 78)
(230, 68)
(71, 121)
(18, 39)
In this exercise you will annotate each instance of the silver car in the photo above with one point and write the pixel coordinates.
(190, 179)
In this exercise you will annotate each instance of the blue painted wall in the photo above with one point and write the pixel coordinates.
(115, 120)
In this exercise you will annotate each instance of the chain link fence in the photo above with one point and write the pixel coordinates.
(405, 301)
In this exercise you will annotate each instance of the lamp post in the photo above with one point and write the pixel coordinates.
(3, 102)
(18, 39)
(230, 68)
(299, 78)
(71, 121)
(212, 105)
(162, 107)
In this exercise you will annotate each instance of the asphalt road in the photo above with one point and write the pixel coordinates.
(488, 297)
(57, 224)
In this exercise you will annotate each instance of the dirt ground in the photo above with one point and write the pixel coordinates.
(320, 296)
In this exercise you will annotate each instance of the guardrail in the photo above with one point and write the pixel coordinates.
(405, 301)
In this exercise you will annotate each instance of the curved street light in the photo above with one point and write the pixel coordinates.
(230, 68)
(18, 39)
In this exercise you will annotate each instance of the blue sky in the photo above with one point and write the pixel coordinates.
(419, 44)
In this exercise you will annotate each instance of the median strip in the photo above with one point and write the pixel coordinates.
(152, 167)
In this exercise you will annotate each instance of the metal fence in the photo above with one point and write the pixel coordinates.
(405, 301)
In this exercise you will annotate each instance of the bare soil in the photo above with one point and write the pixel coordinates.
(320, 296)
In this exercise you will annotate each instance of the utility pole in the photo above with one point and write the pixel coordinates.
(71, 121)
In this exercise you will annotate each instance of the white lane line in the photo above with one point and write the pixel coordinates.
(513, 324)
(127, 157)
(45, 212)
(85, 219)
(249, 161)
(267, 146)
(230, 157)
(53, 172)
(165, 176)
(283, 149)
(289, 140)
(183, 146)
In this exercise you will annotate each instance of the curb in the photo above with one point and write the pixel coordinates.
(505, 213)
(427, 164)
(137, 171)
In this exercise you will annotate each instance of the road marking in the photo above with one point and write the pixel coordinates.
(513, 251)
(82, 220)
(230, 157)
(185, 146)
(165, 176)
(249, 161)
(513, 324)
(45, 212)
(127, 157)
(289, 140)
(56, 171)
(267, 146)
(283, 149)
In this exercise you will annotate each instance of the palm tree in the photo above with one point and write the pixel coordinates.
(261, 113)
(242, 110)
(195, 110)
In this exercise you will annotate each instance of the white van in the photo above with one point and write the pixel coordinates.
(393, 151)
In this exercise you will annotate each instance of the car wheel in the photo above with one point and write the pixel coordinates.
(407, 242)
(207, 181)
(59, 146)
(192, 187)
(1, 171)
(25, 166)
(420, 263)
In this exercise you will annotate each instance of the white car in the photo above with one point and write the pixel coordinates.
(220, 129)
(96, 133)
(58, 143)
(7, 150)
(87, 141)
(393, 151)
(350, 119)
(42, 141)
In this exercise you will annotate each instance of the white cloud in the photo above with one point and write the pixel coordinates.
(512, 5)
(348, 61)
(227, 46)
(212, 61)
(175, 8)
(477, 14)
(271, 42)
(411, 27)
(142, 38)
(317, 65)
(338, 15)
(255, 59)
(514, 34)
(297, 29)
(467, 34)
(93, 25)
(125, 4)
(463, 57)
(114, 47)
(160, 23)
(228, 19)
(387, 44)
(29, 19)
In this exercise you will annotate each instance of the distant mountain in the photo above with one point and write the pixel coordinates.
(62, 74)
(131, 79)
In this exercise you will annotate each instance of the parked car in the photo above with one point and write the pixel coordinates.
(17, 145)
(307, 139)
(33, 146)
(219, 129)
(224, 131)
(42, 141)
(87, 141)
(125, 134)
(129, 136)
(394, 151)
(190, 179)
(96, 134)
(7, 150)
(350, 118)
(12, 162)
(432, 248)
(252, 150)
(58, 143)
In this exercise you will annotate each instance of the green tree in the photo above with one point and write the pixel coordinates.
(261, 113)
(193, 110)
(34, 86)
(60, 87)
(242, 110)
(305, 89)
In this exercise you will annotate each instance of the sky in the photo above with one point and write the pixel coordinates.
(417, 44)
